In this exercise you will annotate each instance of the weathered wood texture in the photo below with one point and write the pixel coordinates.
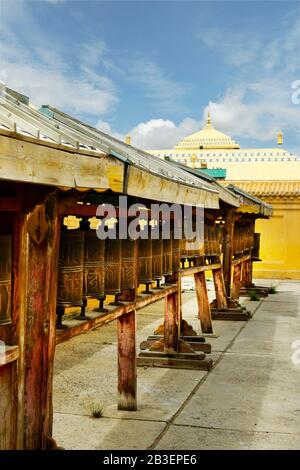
(113, 314)
(204, 313)
(221, 298)
(246, 280)
(172, 323)
(40, 318)
(236, 283)
(127, 373)
(8, 405)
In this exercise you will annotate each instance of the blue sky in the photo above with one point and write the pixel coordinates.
(153, 68)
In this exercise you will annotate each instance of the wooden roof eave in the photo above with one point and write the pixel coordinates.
(31, 161)
(140, 183)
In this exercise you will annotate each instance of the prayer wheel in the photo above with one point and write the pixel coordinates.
(157, 260)
(145, 262)
(129, 264)
(176, 255)
(93, 265)
(167, 256)
(187, 252)
(70, 274)
(70, 277)
(5, 278)
(256, 246)
(93, 268)
(206, 242)
(113, 266)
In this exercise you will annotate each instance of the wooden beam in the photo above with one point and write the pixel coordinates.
(197, 269)
(10, 204)
(204, 313)
(127, 373)
(240, 260)
(112, 315)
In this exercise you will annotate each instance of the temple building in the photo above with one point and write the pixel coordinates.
(272, 174)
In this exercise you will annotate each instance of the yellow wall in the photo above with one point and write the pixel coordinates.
(280, 241)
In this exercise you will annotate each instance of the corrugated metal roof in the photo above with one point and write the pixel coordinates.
(250, 203)
(270, 188)
(59, 131)
(124, 151)
(225, 194)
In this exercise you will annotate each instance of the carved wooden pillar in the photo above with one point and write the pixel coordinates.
(41, 243)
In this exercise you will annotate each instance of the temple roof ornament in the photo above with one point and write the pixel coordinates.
(207, 138)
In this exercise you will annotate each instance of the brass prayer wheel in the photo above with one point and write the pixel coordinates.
(113, 266)
(157, 259)
(70, 277)
(145, 261)
(176, 255)
(167, 257)
(206, 242)
(129, 264)
(5, 278)
(187, 252)
(93, 265)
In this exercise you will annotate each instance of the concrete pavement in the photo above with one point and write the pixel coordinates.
(249, 400)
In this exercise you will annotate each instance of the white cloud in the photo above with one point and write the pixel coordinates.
(107, 129)
(258, 101)
(46, 77)
(155, 133)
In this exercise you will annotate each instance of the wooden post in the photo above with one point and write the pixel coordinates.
(221, 299)
(228, 248)
(42, 241)
(172, 323)
(127, 373)
(236, 285)
(203, 303)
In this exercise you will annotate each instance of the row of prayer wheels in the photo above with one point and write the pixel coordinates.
(90, 267)
(5, 279)
(243, 239)
(209, 246)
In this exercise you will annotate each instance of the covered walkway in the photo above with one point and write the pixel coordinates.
(249, 400)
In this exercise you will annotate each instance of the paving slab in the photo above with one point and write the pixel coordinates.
(74, 432)
(247, 392)
(189, 438)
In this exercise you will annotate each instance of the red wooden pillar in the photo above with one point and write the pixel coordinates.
(172, 323)
(221, 299)
(41, 242)
(204, 312)
(127, 373)
(236, 284)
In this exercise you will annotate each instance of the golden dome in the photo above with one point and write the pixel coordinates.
(207, 138)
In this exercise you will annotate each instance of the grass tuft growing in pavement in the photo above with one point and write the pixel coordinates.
(96, 410)
(273, 290)
(253, 295)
